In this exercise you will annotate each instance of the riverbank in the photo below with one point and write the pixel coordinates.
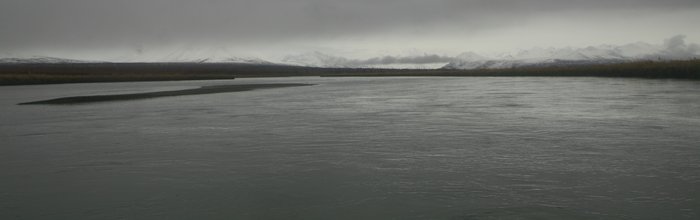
(27, 74)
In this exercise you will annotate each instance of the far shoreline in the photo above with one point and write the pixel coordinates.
(35, 74)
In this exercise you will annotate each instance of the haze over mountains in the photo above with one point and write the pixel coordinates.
(674, 48)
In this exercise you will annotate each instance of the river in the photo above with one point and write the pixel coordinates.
(356, 148)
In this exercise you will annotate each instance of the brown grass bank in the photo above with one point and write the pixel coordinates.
(24, 74)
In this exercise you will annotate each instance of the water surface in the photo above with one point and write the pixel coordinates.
(356, 148)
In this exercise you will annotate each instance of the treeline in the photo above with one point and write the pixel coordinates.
(22, 74)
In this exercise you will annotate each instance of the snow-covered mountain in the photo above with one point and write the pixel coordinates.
(39, 59)
(674, 48)
(186, 54)
(249, 60)
(54, 60)
(319, 59)
(316, 59)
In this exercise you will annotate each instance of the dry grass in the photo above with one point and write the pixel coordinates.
(647, 69)
(22, 74)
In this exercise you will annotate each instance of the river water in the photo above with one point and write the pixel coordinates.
(356, 148)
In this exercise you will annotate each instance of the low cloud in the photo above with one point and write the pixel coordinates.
(676, 48)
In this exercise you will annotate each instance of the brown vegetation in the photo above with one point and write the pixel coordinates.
(646, 69)
(22, 74)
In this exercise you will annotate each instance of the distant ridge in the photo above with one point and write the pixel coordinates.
(674, 48)
(41, 59)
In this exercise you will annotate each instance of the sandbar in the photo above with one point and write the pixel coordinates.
(149, 95)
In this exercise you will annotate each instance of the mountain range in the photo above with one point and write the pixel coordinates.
(41, 59)
(674, 48)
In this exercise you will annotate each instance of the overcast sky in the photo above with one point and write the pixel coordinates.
(102, 28)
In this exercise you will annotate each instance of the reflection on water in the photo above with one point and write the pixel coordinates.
(357, 148)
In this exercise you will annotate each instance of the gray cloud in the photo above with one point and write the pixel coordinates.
(673, 48)
(676, 48)
(103, 24)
